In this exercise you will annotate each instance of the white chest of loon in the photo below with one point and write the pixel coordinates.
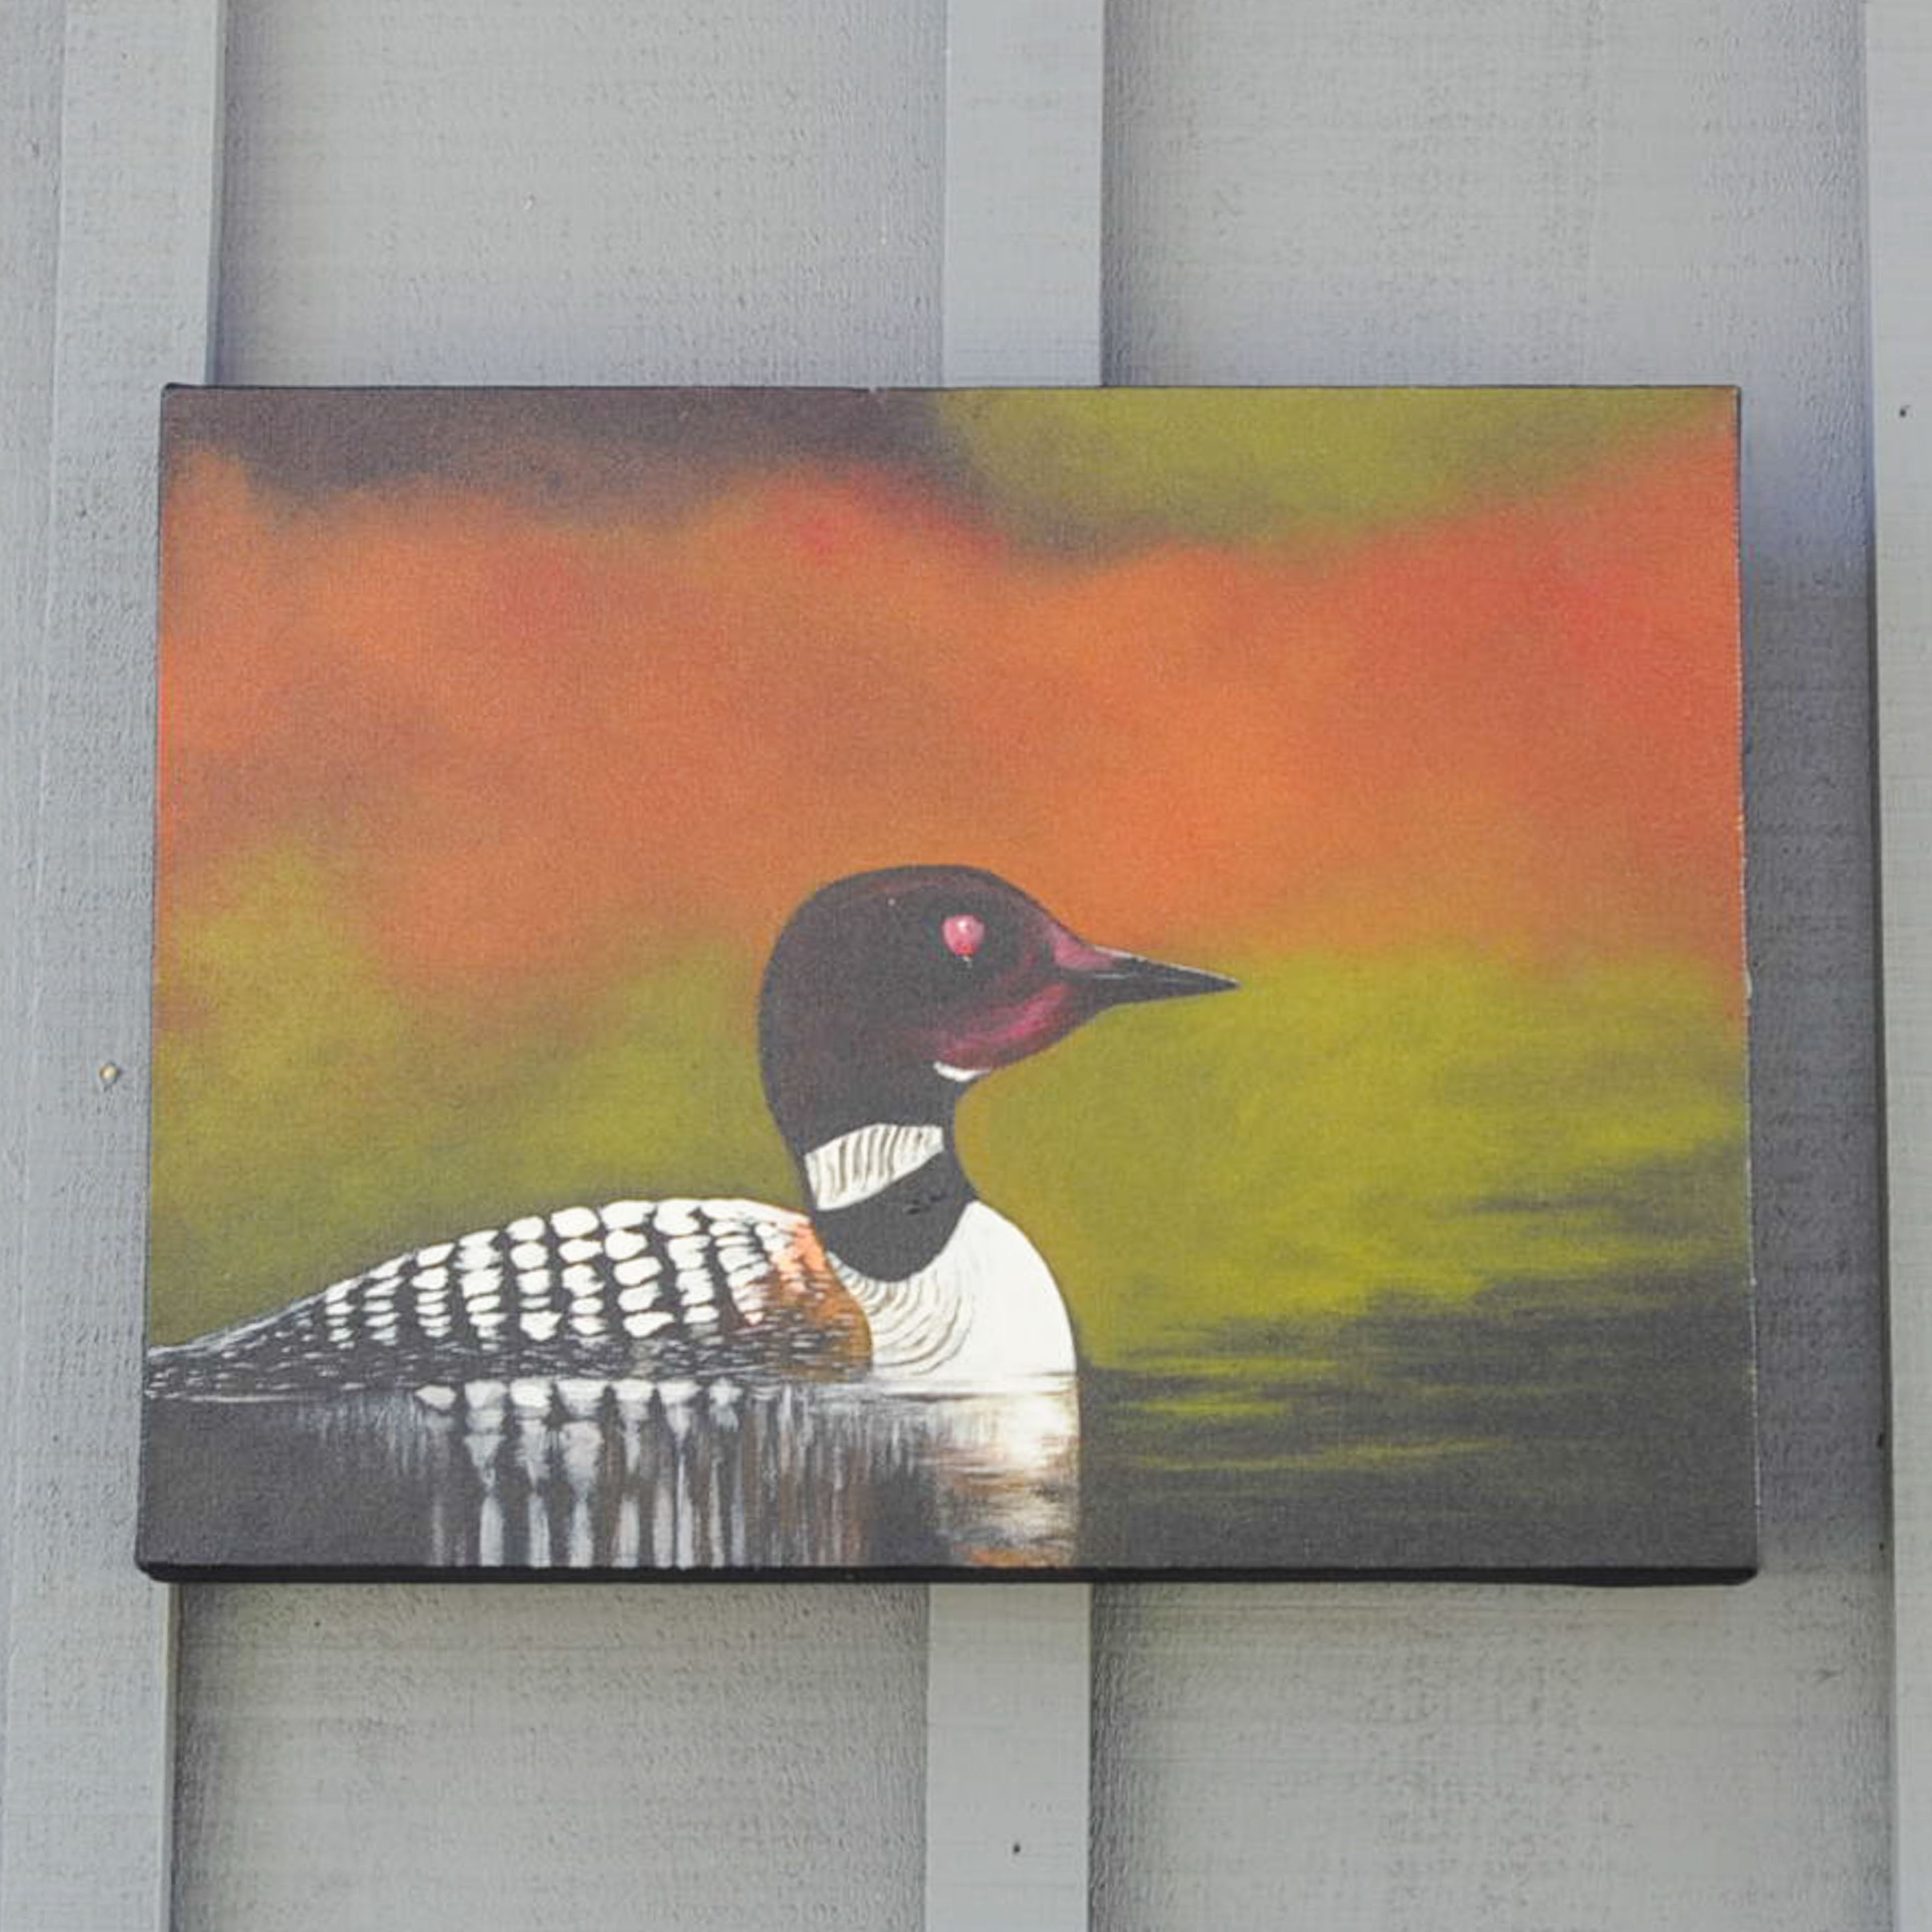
(888, 994)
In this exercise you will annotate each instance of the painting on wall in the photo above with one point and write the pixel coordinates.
(1004, 983)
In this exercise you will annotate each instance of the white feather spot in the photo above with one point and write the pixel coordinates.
(436, 1396)
(626, 1213)
(687, 1251)
(581, 1396)
(484, 1282)
(588, 1326)
(431, 1277)
(436, 1326)
(540, 1324)
(337, 1292)
(580, 1277)
(580, 1251)
(694, 1288)
(723, 1208)
(675, 1217)
(477, 1238)
(528, 1255)
(700, 1315)
(573, 1220)
(388, 1268)
(641, 1325)
(673, 1393)
(645, 1268)
(587, 1304)
(441, 1252)
(535, 1283)
(630, 1300)
(483, 1395)
(626, 1242)
(529, 1228)
(530, 1394)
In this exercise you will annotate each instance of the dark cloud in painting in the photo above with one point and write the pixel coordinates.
(559, 449)
(1073, 472)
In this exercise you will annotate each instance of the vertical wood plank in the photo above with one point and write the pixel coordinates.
(1384, 191)
(30, 45)
(1898, 71)
(1008, 1699)
(84, 1781)
(729, 191)
(704, 190)
(1009, 1670)
(1024, 82)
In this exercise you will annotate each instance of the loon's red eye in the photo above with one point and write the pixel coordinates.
(963, 934)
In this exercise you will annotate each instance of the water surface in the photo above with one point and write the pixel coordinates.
(1533, 1429)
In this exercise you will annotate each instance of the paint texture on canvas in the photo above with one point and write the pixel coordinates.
(501, 732)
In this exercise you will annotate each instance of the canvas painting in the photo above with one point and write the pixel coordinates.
(792, 983)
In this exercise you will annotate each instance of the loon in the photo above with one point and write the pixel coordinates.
(888, 994)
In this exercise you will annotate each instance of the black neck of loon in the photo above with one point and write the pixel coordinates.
(904, 1225)
(833, 1092)
(876, 1151)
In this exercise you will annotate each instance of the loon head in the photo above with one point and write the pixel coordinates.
(888, 992)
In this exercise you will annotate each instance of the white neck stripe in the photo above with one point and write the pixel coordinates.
(854, 1166)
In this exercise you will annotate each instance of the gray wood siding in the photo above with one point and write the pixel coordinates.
(1514, 191)
(1342, 191)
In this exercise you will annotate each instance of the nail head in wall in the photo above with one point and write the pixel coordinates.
(108, 1073)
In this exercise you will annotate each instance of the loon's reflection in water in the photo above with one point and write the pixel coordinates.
(623, 1476)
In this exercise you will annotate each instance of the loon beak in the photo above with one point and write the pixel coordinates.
(1115, 979)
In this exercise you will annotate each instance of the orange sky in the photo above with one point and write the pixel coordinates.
(538, 744)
